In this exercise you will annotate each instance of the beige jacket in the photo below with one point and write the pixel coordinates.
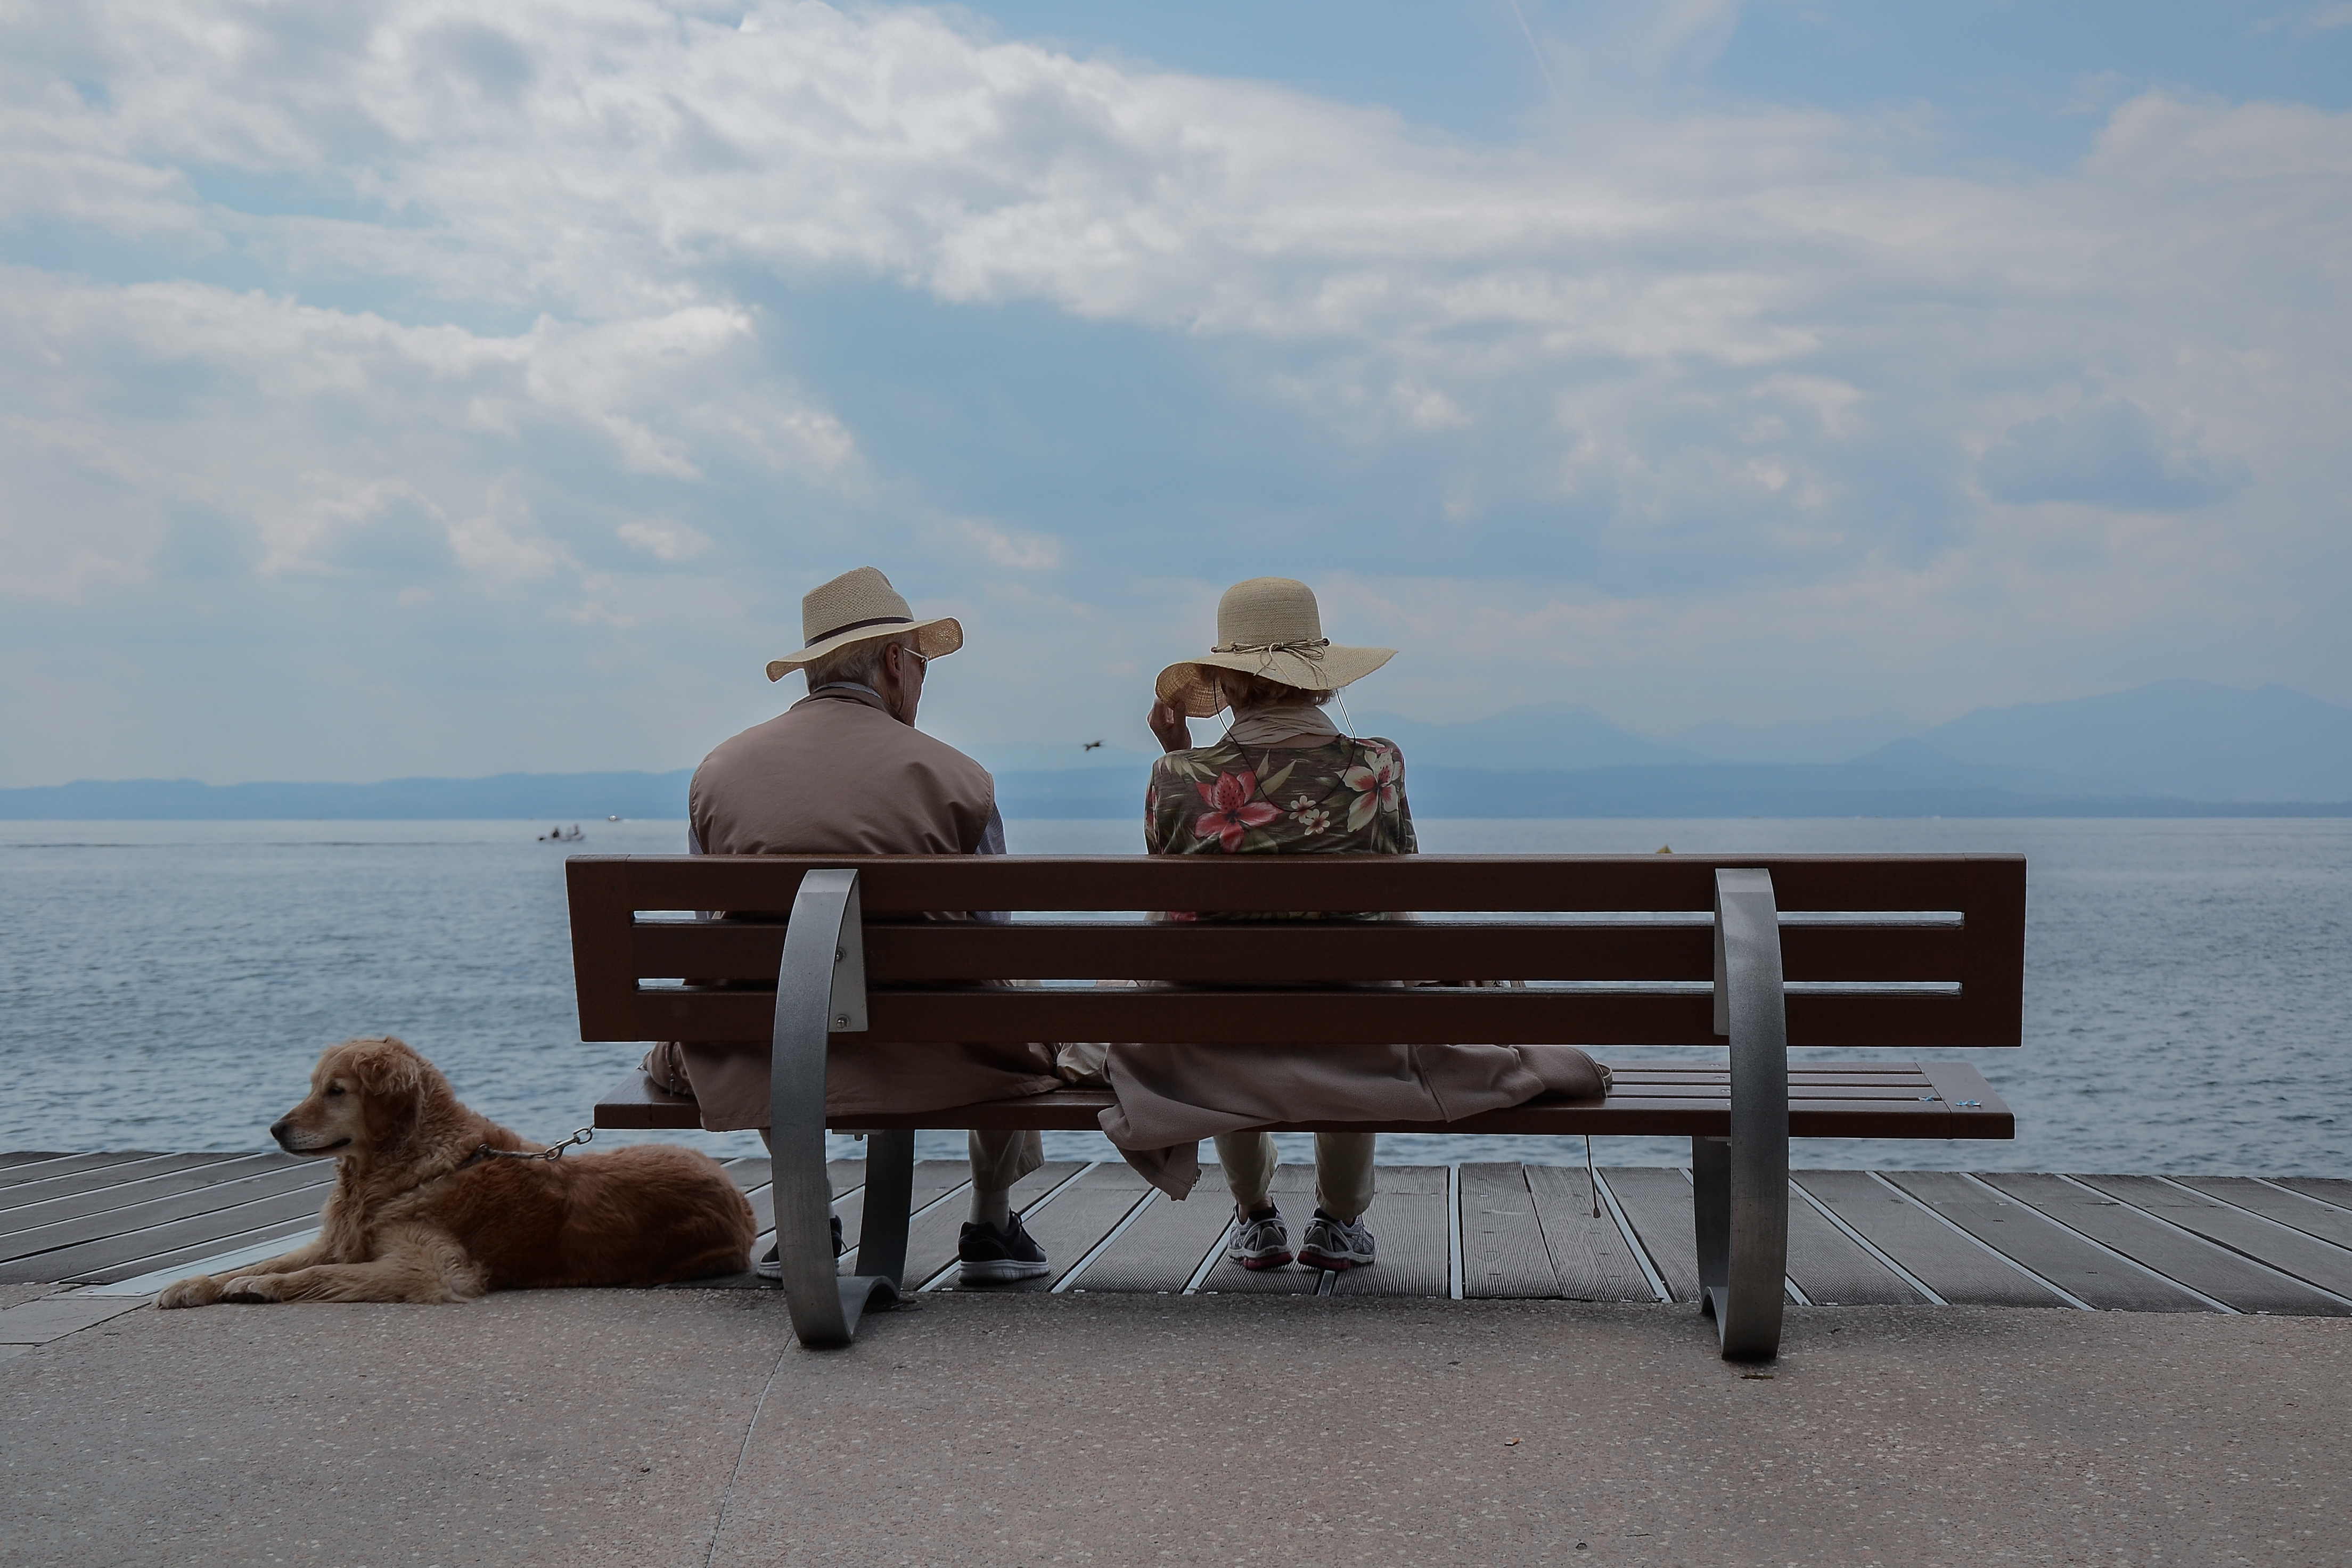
(836, 775)
(1172, 1096)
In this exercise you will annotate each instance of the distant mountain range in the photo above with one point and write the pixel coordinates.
(2181, 739)
(2173, 749)
(2175, 738)
(1908, 779)
(573, 797)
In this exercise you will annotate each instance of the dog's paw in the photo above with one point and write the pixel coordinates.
(251, 1288)
(198, 1290)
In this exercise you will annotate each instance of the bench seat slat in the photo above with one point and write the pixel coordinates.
(1799, 1081)
(1703, 1111)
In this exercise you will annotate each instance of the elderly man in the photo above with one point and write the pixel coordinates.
(844, 771)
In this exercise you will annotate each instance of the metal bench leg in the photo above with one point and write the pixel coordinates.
(1741, 1184)
(819, 991)
(1711, 1215)
(889, 1197)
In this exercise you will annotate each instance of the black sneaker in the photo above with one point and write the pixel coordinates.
(993, 1257)
(770, 1265)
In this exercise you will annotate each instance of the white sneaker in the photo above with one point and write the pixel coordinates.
(1262, 1242)
(1336, 1244)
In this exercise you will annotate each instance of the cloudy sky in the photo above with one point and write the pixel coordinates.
(395, 388)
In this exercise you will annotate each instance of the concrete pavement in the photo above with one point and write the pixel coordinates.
(585, 1427)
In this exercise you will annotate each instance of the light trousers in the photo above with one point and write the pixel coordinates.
(1343, 1170)
(999, 1158)
(1002, 1157)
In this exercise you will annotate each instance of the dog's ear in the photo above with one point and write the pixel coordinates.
(386, 1068)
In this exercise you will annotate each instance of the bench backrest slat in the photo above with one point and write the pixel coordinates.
(906, 885)
(1412, 1016)
(1335, 951)
(1952, 927)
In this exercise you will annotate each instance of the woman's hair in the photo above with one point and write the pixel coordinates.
(1246, 691)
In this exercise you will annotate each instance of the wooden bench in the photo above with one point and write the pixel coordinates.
(1872, 952)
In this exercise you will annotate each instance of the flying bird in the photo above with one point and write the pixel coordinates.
(1089, 745)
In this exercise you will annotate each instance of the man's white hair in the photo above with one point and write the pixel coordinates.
(858, 665)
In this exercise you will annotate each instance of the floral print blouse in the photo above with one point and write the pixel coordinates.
(1230, 798)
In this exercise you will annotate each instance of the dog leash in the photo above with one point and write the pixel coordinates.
(553, 1151)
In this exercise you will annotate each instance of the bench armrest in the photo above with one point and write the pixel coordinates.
(820, 992)
(1741, 1197)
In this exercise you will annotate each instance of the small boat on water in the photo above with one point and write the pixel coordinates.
(570, 836)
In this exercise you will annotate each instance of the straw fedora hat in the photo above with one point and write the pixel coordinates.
(856, 607)
(1267, 626)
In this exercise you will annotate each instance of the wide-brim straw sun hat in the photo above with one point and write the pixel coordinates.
(1268, 627)
(856, 607)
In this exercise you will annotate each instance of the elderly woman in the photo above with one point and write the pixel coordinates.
(1283, 780)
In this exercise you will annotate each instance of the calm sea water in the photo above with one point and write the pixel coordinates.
(166, 985)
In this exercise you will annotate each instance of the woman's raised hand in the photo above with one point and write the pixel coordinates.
(1168, 728)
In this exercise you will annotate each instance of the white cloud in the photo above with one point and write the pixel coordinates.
(2305, 21)
(1011, 549)
(1714, 383)
(315, 434)
(503, 542)
(2106, 453)
(666, 540)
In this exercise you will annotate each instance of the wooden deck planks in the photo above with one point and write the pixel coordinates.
(2016, 1229)
(44, 1165)
(1832, 1271)
(1657, 1202)
(934, 1179)
(1068, 1228)
(1589, 1259)
(2314, 1262)
(2293, 1209)
(1167, 1243)
(139, 1251)
(2185, 1259)
(235, 1191)
(751, 1177)
(1293, 1191)
(1824, 1262)
(2118, 1242)
(1952, 1266)
(135, 1188)
(191, 1243)
(2326, 1189)
(848, 1178)
(1504, 1256)
(932, 1240)
(83, 1173)
(1409, 1221)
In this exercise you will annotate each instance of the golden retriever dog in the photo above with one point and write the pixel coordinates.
(420, 1214)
